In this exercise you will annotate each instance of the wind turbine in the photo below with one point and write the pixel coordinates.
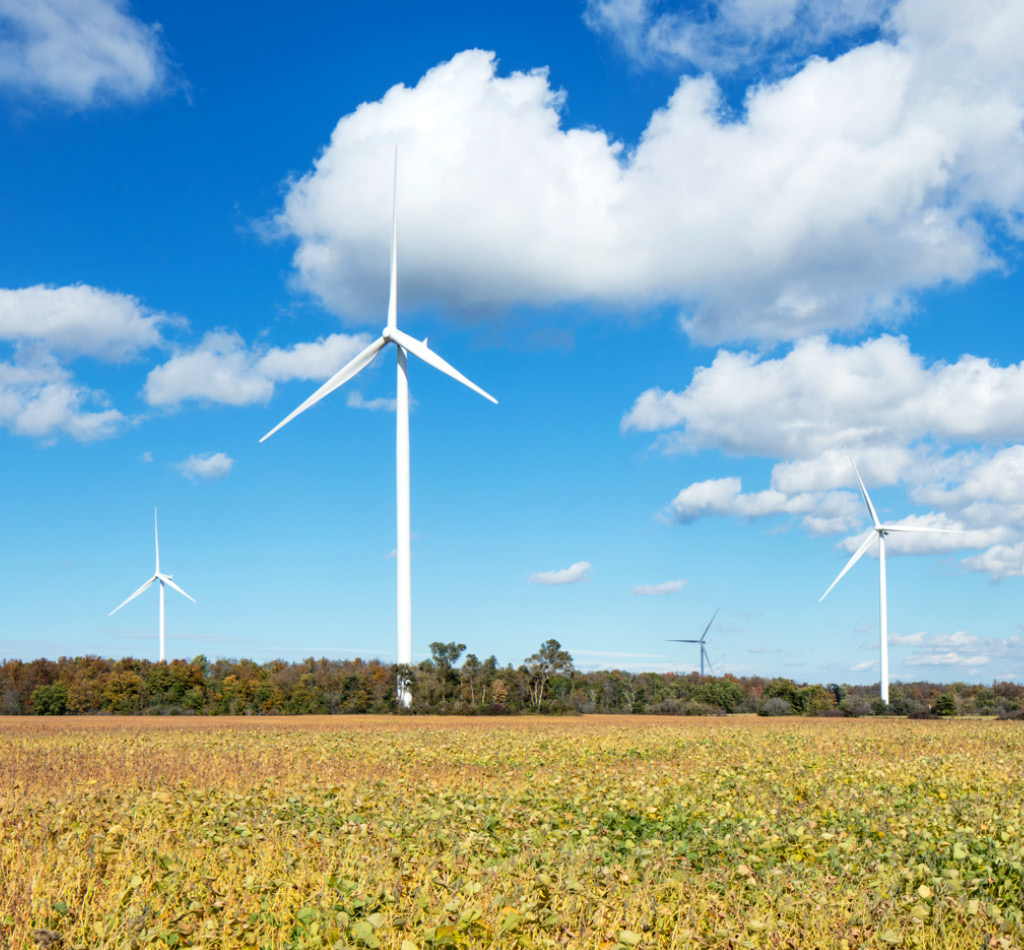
(703, 649)
(404, 344)
(879, 531)
(163, 579)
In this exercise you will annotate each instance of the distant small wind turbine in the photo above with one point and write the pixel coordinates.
(703, 649)
(880, 531)
(404, 344)
(157, 576)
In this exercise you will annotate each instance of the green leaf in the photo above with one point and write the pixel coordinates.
(307, 915)
(890, 936)
(362, 930)
(629, 937)
(510, 921)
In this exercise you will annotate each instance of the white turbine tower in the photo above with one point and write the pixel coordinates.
(404, 344)
(879, 531)
(703, 650)
(163, 579)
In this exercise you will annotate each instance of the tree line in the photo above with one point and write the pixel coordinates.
(454, 682)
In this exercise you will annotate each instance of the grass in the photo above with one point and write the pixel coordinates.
(597, 832)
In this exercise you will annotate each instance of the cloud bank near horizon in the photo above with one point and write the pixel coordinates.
(945, 431)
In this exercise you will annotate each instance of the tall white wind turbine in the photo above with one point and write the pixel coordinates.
(404, 344)
(880, 531)
(703, 649)
(163, 579)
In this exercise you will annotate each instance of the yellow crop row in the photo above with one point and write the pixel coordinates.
(597, 832)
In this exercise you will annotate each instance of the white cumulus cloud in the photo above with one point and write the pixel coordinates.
(574, 574)
(837, 192)
(823, 396)
(48, 327)
(821, 512)
(222, 368)
(999, 561)
(82, 53)
(40, 398)
(894, 412)
(211, 465)
(79, 320)
(950, 537)
(658, 590)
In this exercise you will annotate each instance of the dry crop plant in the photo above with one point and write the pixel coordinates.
(591, 833)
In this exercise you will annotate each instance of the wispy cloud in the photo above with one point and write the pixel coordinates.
(959, 649)
(949, 658)
(657, 590)
(381, 404)
(909, 639)
(574, 574)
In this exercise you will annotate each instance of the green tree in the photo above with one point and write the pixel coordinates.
(815, 699)
(785, 689)
(721, 693)
(945, 704)
(445, 656)
(470, 672)
(123, 692)
(50, 700)
(548, 661)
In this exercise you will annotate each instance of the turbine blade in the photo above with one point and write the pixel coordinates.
(156, 537)
(133, 596)
(682, 641)
(342, 376)
(864, 493)
(393, 291)
(708, 660)
(166, 579)
(708, 627)
(426, 354)
(853, 560)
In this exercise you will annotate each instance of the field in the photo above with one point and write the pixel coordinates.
(590, 832)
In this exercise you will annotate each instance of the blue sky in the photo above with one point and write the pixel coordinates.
(697, 252)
